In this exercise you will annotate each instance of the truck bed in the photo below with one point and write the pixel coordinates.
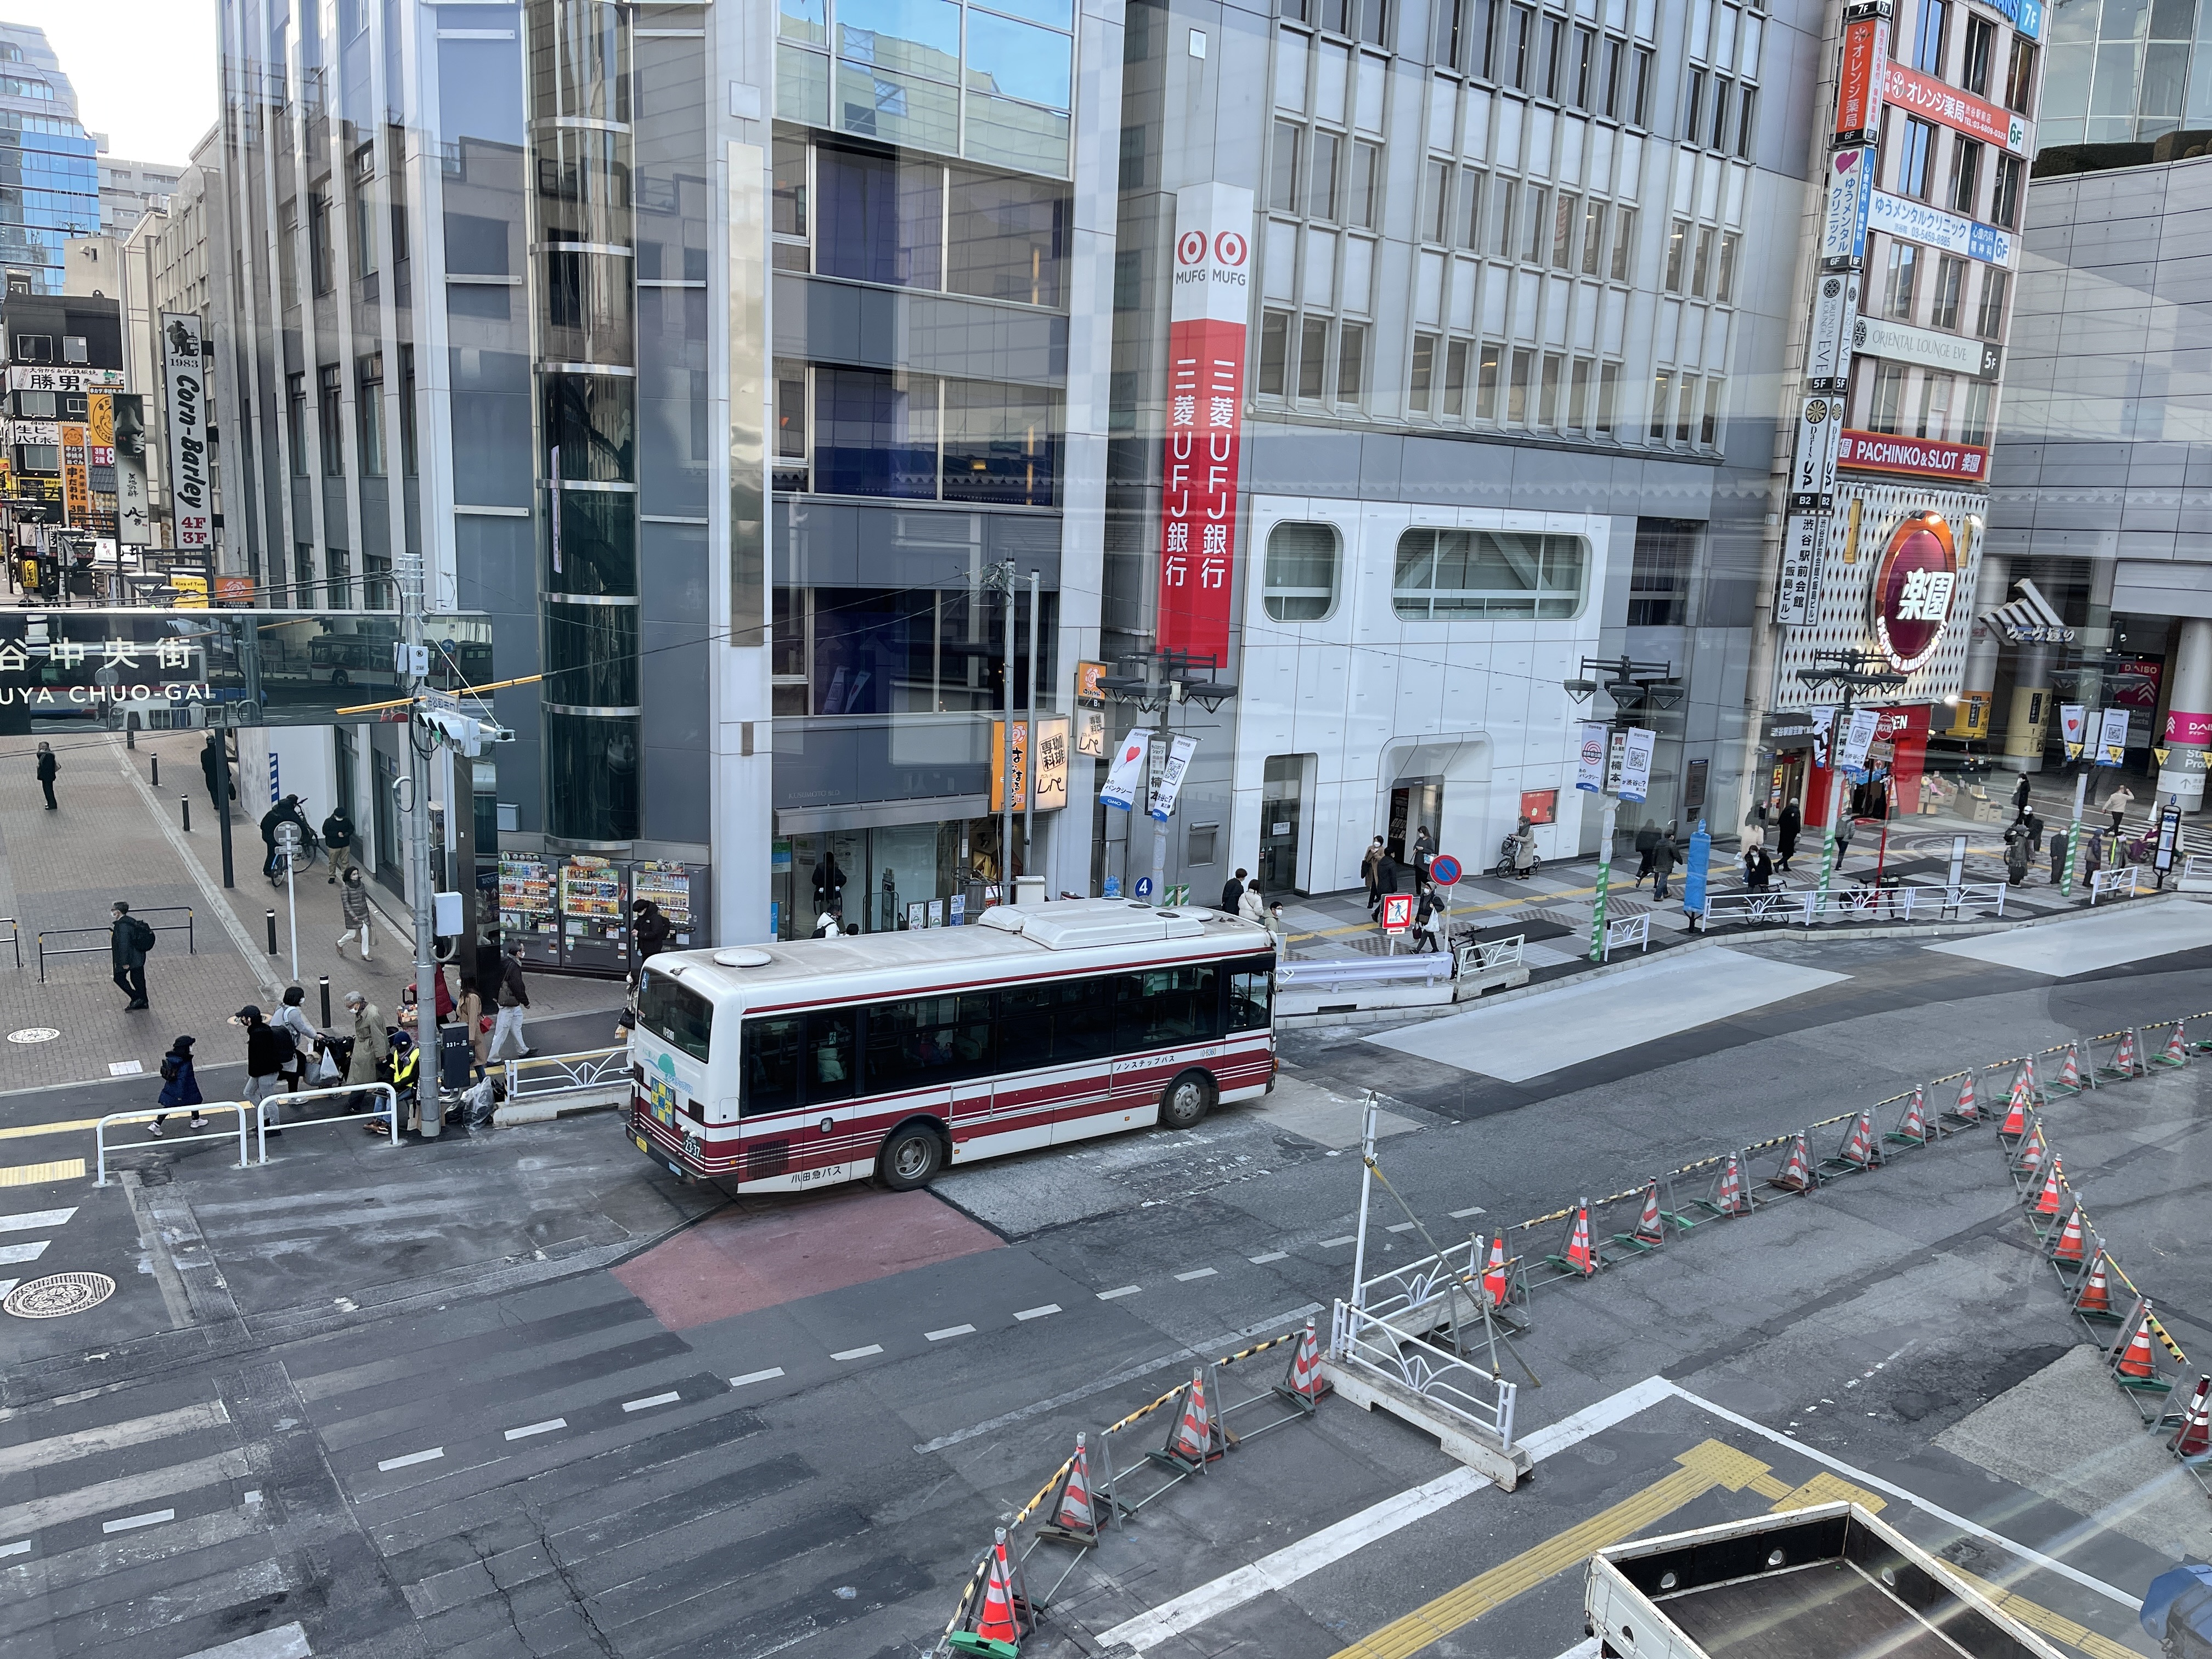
(1799, 1614)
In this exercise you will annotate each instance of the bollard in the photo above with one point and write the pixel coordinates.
(326, 1001)
(130, 736)
(154, 761)
(184, 806)
(272, 933)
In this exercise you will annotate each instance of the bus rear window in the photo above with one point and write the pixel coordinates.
(681, 1018)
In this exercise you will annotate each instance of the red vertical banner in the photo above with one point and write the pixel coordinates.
(1210, 302)
(1861, 73)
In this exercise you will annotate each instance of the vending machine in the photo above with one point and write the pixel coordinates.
(527, 910)
(594, 914)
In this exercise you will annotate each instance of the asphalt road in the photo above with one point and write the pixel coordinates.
(517, 1393)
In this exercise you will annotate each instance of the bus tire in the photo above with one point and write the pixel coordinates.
(911, 1157)
(1186, 1100)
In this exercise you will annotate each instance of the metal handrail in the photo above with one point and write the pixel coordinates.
(2102, 883)
(100, 1130)
(1359, 971)
(1484, 956)
(15, 937)
(539, 1077)
(190, 945)
(1635, 930)
(391, 1108)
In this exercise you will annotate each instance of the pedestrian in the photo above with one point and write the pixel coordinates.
(1647, 842)
(1252, 907)
(410, 999)
(2093, 853)
(338, 837)
(1757, 869)
(215, 768)
(1370, 869)
(1277, 926)
(1524, 849)
(470, 1010)
(291, 1018)
(514, 996)
(286, 811)
(825, 927)
(1755, 822)
(1424, 849)
(2019, 794)
(2034, 822)
(266, 1052)
(2058, 858)
(1787, 830)
(649, 928)
(372, 1045)
(2015, 845)
(128, 940)
(2116, 804)
(1664, 857)
(1845, 824)
(1426, 926)
(1386, 880)
(180, 1086)
(48, 765)
(353, 906)
(1233, 894)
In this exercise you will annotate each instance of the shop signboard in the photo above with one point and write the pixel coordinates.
(1835, 308)
(1126, 775)
(1590, 768)
(1797, 590)
(2182, 727)
(1616, 758)
(1090, 732)
(2073, 723)
(1859, 736)
(1917, 222)
(1859, 81)
(190, 509)
(1814, 459)
(1908, 603)
(1013, 779)
(1917, 457)
(1051, 762)
(1540, 805)
(1171, 775)
(1636, 763)
(1928, 347)
(1824, 732)
(21, 377)
(76, 474)
(134, 520)
(1208, 310)
(1087, 678)
(1961, 111)
(1846, 206)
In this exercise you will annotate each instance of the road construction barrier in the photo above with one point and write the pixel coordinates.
(2115, 1056)
(1796, 1174)
(2176, 1052)
(2121, 881)
(1861, 1149)
(1363, 1347)
(1914, 1127)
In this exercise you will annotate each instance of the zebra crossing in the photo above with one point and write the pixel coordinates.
(20, 1253)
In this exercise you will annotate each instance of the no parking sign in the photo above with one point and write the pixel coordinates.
(1443, 870)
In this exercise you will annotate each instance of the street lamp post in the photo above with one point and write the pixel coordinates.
(1634, 687)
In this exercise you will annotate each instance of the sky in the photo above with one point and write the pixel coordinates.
(144, 70)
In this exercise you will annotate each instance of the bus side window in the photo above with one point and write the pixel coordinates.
(831, 1071)
(770, 1068)
(1175, 1004)
(1251, 987)
(1025, 1027)
(1083, 1027)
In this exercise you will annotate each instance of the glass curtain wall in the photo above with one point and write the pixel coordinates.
(586, 347)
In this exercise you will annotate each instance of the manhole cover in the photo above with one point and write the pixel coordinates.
(58, 1294)
(34, 1034)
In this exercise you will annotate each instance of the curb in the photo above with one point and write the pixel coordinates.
(1701, 941)
(545, 1111)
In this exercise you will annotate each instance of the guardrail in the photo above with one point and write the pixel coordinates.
(1807, 907)
(1482, 1400)
(1335, 972)
(2195, 875)
(46, 950)
(15, 937)
(2125, 879)
(542, 1076)
(1635, 930)
(147, 1115)
(1488, 955)
(391, 1110)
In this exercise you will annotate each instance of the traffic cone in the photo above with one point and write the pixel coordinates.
(1303, 1385)
(2015, 1119)
(2137, 1363)
(2069, 1073)
(2124, 1063)
(2193, 1439)
(1969, 1106)
(1197, 1438)
(1860, 1150)
(1911, 1128)
(1497, 1283)
(2028, 1077)
(2051, 1195)
(1002, 1617)
(2093, 1301)
(2069, 1245)
(1582, 1256)
(2027, 1158)
(1729, 1197)
(1074, 1517)
(1650, 1226)
(2176, 1050)
(1796, 1174)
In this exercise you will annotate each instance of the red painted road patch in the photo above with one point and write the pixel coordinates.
(741, 1260)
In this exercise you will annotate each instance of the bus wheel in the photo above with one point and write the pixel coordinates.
(1186, 1101)
(911, 1158)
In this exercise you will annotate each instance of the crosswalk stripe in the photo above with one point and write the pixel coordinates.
(106, 1497)
(20, 1546)
(285, 1642)
(31, 1219)
(11, 1253)
(130, 1524)
(112, 1437)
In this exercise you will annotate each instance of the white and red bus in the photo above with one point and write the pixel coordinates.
(783, 1068)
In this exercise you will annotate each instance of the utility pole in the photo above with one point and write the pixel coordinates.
(1000, 579)
(409, 564)
(1029, 737)
(1851, 673)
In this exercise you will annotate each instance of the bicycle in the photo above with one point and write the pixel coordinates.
(304, 857)
(1504, 869)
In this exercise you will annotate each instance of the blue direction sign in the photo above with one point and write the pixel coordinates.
(1144, 888)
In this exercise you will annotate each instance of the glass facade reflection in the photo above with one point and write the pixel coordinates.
(49, 175)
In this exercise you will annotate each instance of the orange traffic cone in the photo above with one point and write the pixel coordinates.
(1969, 1106)
(2027, 1078)
(1860, 1149)
(2069, 1073)
(2015, 1117)
(1582, 1256)
(1795, 1174)
(1073, 1515)
(2135, 1361)
(2193, 1439)
(1496, 1283)
(2027, 1160)
(2177, 1050)
(1197, 1438)
(1911, 1128)
(1303, 1384)
(2050, 1197)
(2094, 1299)
(2070, 1243)
(2124, 1063)
(1650, 1229)
(1003, 1614)
(1729, 1197)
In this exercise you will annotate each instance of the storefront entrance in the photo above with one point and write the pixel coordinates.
(888, 879)
(1415, 803)
(1280, 813)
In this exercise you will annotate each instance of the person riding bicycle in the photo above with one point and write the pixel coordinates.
(286, 811)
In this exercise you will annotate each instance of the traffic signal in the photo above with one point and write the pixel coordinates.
(467, 732)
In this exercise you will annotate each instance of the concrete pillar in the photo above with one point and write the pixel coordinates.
(2189, 716)
(2095, 637)
(1971, 719)
(2029, 719)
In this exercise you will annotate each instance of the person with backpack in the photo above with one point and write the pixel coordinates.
(512, 997)
(337, 837)
(291, 1018)
(128, 941)
(48, 768)
(269, 1051)
(180, 1086)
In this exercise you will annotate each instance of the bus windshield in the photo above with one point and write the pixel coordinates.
(679, 1017)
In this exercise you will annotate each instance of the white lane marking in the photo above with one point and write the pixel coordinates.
(151, 1518)
(412, 1458)
(124, 1493)
(1125, 1290)
(651, 1400)
(950, 1330)
(1471, 1209)
(528, 1429)
(1285, 1566)
(859, 1353)
(1037, 1313)
(8, 1285)
(768, 1374)
(20, 1546)
(1195, 1272)
(285, 1642)
(32, 1219)
(1402, 1227)
(1588, 1649)
(1331, 1243)
(1271, 1255)
(14, 1253)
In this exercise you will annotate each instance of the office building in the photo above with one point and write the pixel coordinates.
(49, 180)
(128, 190)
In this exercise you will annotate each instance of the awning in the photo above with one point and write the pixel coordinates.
(2030, 619)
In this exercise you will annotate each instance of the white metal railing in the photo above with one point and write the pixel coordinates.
(2195, 874)
(1771, 906)
(1903, 902)
(347, 1091)
(2125, 879)
(1488, 955)
(1412, 1289)
(1329, 975)
(1634, 930)
(1483, 1401)
(100, 1130)
(542, 1076)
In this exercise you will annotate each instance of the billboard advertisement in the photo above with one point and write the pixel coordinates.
(192, 508)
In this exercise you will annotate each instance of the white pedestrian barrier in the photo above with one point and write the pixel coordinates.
(2123, 880)
(1635, 930)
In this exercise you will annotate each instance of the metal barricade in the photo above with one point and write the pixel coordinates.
(1461, 1389)
(1331, 974)
(2195, 874)
(1636, 930)
(15, 937)
(346, 1090)
(1775, 907)
(1488, 955)
(2123, 879)
(46, 950)
(588, 1071)
(147, 1115)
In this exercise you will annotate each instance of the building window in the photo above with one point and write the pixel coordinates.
(1365, 184)
(1913, 158)
(1578, 396)
(1486, 381)
(1593, 237)
(338, 590)
(1724, 279)
(1686, 408)
(1950, 281)
(793, 428)
(1301, 571)
(1585, 64)
(1988, 316)
(1709, 426)
(1554, 35)
(302, 595)
(1274, 354)
(1470, 210)
(1888, 398)
(1693, 106)
(1283, 172)
(2004, 199)
(295, 422)
(1442, 575)
(1456, 380)
(1624, 244)
(1678, 245)
(1974, 424)
(1746, 120)
(1563, 230)
(1501, 216)
(1517, 389)
(319, 242)
(330, 411)
(1965, 176)
(1535, 231)
(1897, 286)
(1524, 35)
(1548, 396)
(1701, 261)
(1981, 47)
(288, 254)
(1927, 46)
(1659, 572)
(1422, 389)
(1642, 117)
(1351, 362)
(1614, 50)
(368, 408)
(1936, 391)
(1722, 131)
(2020, 77)
(407, 409)
(1608, 393)
(1436, 225)
(1662, 384)
(1313, 357)
(1321, 181)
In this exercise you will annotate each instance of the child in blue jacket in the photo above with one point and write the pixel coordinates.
(179, 1086)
